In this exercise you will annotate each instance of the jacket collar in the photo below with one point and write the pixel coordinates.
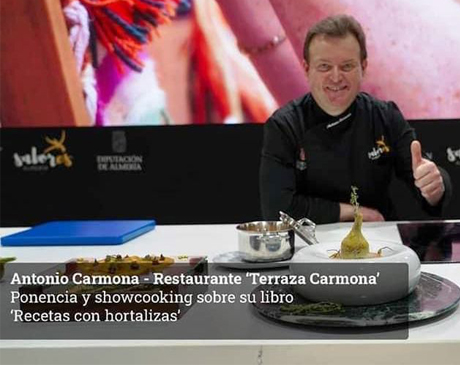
(320, 117)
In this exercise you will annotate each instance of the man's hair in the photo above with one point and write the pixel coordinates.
(336, 26)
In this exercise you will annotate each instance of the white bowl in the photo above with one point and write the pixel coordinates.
(313, 260)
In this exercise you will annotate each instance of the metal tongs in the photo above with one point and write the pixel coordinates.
(304, 228)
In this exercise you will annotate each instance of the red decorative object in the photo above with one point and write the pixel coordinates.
(124, 26)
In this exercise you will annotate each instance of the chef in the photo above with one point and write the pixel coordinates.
(317, 146)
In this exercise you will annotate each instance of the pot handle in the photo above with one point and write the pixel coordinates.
(304, 228)
(269, 236)
(264, 240)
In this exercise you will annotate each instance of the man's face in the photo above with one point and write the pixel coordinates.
(334, 72)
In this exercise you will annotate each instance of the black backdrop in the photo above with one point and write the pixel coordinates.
(174, 174)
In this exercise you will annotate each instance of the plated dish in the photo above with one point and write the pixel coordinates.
(363, 272)
(316, 260)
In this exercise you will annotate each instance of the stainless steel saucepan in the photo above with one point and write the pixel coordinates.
(265, 241)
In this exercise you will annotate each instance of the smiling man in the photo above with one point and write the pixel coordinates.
(335, 70)
(318, 146)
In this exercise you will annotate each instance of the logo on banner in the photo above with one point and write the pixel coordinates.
(120, 161)
(380, 148)
(54, 154)
(119, 141)
(453, 156)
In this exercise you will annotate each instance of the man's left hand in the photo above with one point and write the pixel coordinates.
(427, 176)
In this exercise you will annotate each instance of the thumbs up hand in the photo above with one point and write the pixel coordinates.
(427, 177)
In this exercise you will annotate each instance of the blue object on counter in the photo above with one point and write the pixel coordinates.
(66, 233)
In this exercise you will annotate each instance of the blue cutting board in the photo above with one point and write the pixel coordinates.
(64, 233)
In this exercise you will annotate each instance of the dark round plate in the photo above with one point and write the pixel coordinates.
(432, 297)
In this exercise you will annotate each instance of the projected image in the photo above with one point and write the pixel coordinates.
(191, 72)
(172, 62)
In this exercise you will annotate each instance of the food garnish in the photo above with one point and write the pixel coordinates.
(355, 245)
(312, 308)
(3, 261)
(128, 265)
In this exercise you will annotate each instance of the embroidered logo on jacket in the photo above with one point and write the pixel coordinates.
(333, 124)
(301, 163)
(380, 148)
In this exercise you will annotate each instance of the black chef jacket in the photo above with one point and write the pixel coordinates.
(310, 159)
